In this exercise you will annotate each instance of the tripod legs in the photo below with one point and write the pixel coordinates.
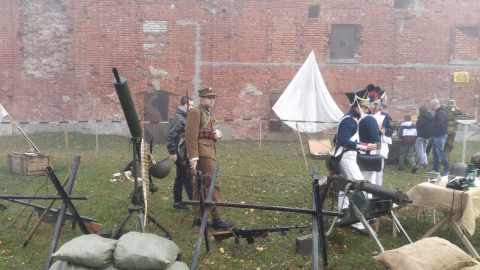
(140, 210)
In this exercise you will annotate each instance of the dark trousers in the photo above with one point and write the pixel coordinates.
(182, 179)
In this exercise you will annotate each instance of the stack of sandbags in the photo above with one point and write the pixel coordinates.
(133, 251)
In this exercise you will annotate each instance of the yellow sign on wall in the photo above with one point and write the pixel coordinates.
(461, 77)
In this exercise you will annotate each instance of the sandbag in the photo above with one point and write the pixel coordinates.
(177, 266)
(88, 250)
(141, 251)
(61, 265)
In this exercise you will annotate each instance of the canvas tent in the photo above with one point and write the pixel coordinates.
(307, 99)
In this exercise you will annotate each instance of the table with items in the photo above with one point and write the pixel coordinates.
(461, 208)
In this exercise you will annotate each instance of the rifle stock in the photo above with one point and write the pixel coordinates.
(220, 236)
(94, 226)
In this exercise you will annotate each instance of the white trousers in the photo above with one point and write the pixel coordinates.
(379, 175)
(349, 167)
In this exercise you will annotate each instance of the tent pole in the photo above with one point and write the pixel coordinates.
(260, 122)
(301, 144)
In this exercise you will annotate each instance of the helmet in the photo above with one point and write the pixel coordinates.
(458, 169)
(161, 169)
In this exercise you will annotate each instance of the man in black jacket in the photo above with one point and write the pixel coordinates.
(175, 131)
(424, 133)
(440, 133)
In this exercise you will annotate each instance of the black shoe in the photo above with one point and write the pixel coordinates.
(198, 223)
(222, 224)
(373, 220)
(414, 169)
(180, 207)
(400, 168)
(361, 231)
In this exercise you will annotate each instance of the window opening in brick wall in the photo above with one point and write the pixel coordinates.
(313, 11)
(342, 41)
(466, 43)
(402, 4)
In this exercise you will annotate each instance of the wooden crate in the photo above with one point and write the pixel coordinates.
(28, 165)
(318, 148)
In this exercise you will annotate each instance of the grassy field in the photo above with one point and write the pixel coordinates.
(272, 175)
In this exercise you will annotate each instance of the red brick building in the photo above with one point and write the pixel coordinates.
(57, 55)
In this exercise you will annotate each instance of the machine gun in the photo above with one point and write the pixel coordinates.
(249, 233)
(362, 208)
(52, 216)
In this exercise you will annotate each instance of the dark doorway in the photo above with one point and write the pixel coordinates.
(157, 106)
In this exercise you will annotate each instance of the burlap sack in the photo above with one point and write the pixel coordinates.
(61, 265)
(177, 266)
(139, 251)
(430, 253)
(89, 250)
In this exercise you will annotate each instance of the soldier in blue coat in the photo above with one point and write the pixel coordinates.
(348, 144)
(384, 127)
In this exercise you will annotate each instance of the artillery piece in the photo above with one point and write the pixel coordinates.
(362, 208)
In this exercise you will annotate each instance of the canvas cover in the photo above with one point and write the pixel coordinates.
(3, 112)
(307, 99)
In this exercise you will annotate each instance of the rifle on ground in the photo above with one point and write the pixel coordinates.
(52, 216)
(249, 233)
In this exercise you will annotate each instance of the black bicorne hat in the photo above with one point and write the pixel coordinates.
(360, 96)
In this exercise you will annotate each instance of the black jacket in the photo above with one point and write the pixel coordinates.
(440, 121)
(425, 125)
(176, 128)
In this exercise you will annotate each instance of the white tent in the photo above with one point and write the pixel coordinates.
(307, 99)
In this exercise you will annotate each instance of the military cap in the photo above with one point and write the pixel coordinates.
(381, 97)
(206, 92)
(360, 96)
(451, 103)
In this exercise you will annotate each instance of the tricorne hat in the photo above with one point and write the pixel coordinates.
(360, 96)
(451, 103)
(206, 92)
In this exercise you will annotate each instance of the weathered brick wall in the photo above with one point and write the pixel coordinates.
(57, 55)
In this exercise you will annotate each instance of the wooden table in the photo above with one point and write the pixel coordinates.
(464, 213)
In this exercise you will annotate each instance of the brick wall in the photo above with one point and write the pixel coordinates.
(57, 55)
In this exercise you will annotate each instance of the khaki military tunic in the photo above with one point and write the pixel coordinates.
(452, 130)
(204, 149)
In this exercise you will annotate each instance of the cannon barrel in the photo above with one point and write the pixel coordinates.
(128, 107)
(397, 196)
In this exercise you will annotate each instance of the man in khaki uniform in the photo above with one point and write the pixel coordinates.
(200, 141)
(453, 114)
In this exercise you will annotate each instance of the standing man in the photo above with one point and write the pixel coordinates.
(347, 144)
(384, 128)
(368, 133)
(408, 134)
(175, 131)
(453, 114)
(440, 130)
(424, 133)
(200, 140)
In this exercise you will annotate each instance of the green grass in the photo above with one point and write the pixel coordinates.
(272, 175)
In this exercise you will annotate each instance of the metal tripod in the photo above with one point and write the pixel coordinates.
(136, 198)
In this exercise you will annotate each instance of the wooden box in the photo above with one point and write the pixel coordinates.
(28, 165)
(319, 148)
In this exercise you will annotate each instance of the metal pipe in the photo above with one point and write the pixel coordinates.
(43, 197)
(265, 207)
